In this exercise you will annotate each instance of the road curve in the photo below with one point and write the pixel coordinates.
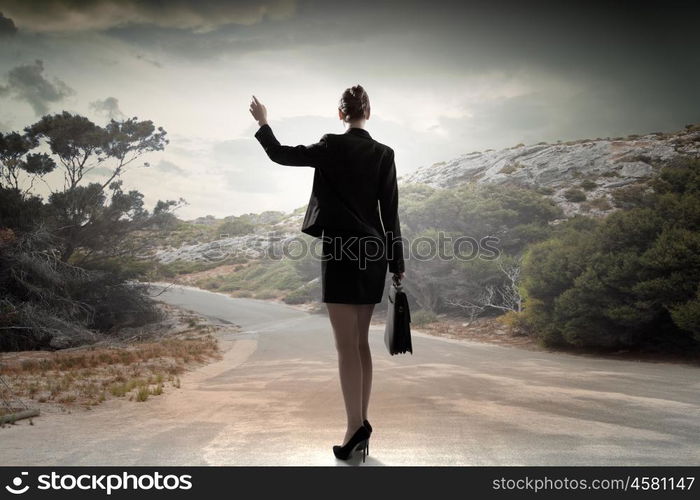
(274, 399)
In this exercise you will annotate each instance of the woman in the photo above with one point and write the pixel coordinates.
(354, 210)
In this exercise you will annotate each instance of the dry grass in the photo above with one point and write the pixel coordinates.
(87, 376)
(489, 330)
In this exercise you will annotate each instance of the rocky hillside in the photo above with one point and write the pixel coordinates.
(208, 239)
(251, 246)
(584, 176)
(580, 176)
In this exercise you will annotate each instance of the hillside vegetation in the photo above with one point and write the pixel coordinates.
(596, 243)
(64, 279)
(590, 243)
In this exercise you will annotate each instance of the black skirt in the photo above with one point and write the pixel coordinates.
(353, 268)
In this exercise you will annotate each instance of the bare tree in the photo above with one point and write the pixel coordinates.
(504, 297)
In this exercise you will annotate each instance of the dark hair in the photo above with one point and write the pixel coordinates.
(354, 103)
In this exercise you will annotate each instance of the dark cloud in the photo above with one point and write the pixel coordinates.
(108, 107)
(624, 68)
(301, 32)
(645, 59)
(97, 15)
(28, 83)
(475, 35)
(7, 26)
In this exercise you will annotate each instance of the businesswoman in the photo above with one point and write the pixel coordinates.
(354, 210)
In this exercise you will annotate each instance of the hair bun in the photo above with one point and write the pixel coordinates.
(354, 102)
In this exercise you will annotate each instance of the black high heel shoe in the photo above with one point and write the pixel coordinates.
(369, 428)
(359, 440)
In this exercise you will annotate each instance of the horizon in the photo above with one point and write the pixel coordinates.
(443, 79)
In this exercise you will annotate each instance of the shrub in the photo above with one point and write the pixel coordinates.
(18, 211)
(509, 168)
(235, 226)
(634, 195)
(49, 303)
(515, 216)
(512, 167)
(588, 184)
(142, 394)
(515, 323)
(574, 195)
(631, 280)
(307, 293)
(422, 317)
(601, 203)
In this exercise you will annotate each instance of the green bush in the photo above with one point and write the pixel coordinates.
(687, 315)
(588, 184)
(51, 304)
(127, 267)
(263, 278)
(422, 317)
(574, 195)
(515, 322)
(511, 217)
(509, 168)
(234, 226)
(303, 294)
(634, 195)
(630, 280)
(20, 211)
(601, 203)
(180, 267)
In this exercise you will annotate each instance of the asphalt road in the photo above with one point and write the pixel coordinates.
(275, 400)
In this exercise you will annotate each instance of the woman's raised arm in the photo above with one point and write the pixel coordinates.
(312, 155)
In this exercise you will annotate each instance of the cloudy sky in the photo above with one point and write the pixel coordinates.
(444, 78)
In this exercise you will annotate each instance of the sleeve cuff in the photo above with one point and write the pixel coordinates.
(262, 130)
(396, 268)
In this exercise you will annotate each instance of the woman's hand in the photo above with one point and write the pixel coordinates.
(399, 276)
(259, 111)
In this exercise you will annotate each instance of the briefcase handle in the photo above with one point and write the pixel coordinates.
(396, 283)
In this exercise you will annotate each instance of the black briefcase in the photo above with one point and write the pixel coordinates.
(397, 333)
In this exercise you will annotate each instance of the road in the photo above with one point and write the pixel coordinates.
(274, 399)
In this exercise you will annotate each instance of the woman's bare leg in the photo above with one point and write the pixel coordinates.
(365, 316)
(344, 320)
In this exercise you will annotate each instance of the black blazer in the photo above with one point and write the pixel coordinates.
(354, 187)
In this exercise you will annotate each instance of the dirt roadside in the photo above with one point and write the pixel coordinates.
(133, 366)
